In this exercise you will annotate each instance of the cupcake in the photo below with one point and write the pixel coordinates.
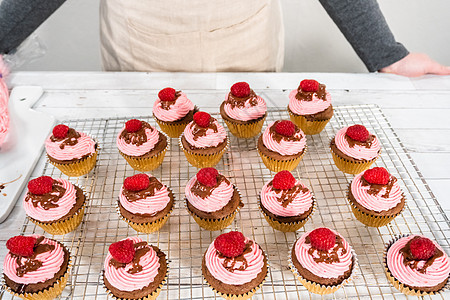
(243, 111)
(310, 106)
(142, 145)
(282, 146)
(134, 269)
(56, 205)
(375, 197)
(354, 149)
(234, 266)
(145, 203)
(35, 267)
(204, 141)
(286, 203)
(322, 261)
(173, 111)
(212, 200)
(72, 152)
(416, 265)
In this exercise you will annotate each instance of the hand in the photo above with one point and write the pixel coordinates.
(416, 64)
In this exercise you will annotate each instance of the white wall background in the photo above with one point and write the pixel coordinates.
(313, 42)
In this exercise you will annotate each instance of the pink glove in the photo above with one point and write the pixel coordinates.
(4, 97)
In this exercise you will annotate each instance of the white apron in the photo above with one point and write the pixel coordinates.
(191, 35)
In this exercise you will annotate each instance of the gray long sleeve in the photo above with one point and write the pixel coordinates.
(365, 28)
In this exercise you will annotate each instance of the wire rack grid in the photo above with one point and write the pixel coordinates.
(184, 242)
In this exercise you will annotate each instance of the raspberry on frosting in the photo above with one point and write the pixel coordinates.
(422, 248)
(283, 180)
(167, 94)
(285, 128)
(21, 245)
(377, 175)
(240, 89)
(41, 185)
(309, 85)
(322, 238)
(358, 133)
(202, 119)
(60, 131)
(133, 125)
(207, 176)
(230, 244)
(136, 182)
(122, 251)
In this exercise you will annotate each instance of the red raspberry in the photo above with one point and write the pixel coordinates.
(203, 119)
(122, 251)
(285, 128)
(309, 85)
(208, 176)
(422, 248)
(167, 94)
(41, 185)
(230, 244)
(60, 131)
(358, 133)
(133, 125)
(240, 89)
(137, 182)
(322, 238)
(21, 245)
(283, 181)
(377, 175)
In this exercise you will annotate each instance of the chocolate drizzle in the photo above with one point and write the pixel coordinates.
(71, 138)
(198, 131)
(136, 138)
(287, 196)
(167, 104)
(140, 249)
(234, 101)
(49, 200)
(229, 263)
(409, 261)
(31, 264)
(278, 137)
(308, 96)
(204, 191)
(154, 186)
(374, 189)
(330, 256)
(368, 143)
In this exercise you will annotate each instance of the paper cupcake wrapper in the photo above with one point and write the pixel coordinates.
(145, 164)
(173, 130)
(275, 165)
(320, 289)
(77, 168)
(308, 127)
(397, 284)
(352, 167)
(246, 131)
(288, 226)
(203, 160)
(149, 227)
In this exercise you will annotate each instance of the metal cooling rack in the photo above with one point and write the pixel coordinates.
(184, 242)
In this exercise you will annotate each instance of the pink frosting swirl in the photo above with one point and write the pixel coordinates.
(211, 138)
(357, 151)
(84, 146)
(51, 264)
(219, 197)
(248, 111)
(124, 281)
(436, 273)
(314, 106)
(137, 150)
(322, 269)
(286, 146)
(146, 205)
(300, 200)
(4, 114)
(375, 202)
(178, 110)
(65, 204)
(215, 264)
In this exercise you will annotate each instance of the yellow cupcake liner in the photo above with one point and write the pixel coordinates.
(203, 160)
(246, 131)
(319, 288)
(77, 168)
(350, 167)
(276, 165)
(308, 127)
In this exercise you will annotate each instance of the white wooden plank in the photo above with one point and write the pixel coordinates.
(433, 165)
(440, 188)
(431, 83)
(425, 140)
(418, 118)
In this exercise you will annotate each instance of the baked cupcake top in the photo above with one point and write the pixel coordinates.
(33, 259)
(309, 98)
(284, 137)
(204, 131)
(67, 144)
(144, 194)
(418, 261)
(49, 199)
(209, 191)
(234, 259)
(131, 264)
(171, 105)
(376, 189)
(243, 104)
(137, 138)
(324, 253)
(357, 142)
(285, 196)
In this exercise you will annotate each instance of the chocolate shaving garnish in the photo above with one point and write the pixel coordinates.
(287, 196)
(230, 262)
(204, 191)
(374, 189)
(154, 186)
(31, 264)
(368, 143)
(234, 101)
(167, 104)
(410, 261)
(330, 256)
(136, 138)
(198, 131)
(278, 137)
(71, 138)
(321, 93)
(49, 200)
(140, 250)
